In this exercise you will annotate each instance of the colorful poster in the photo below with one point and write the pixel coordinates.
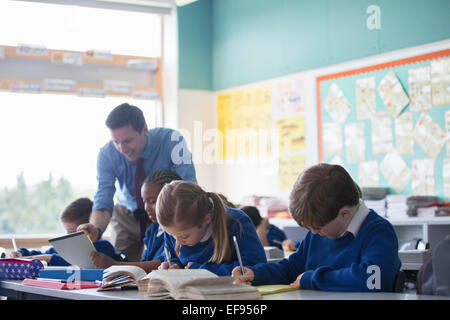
(332, 139)
(245, 123)
(121, 87)
(31, 50)
(368, 174)
(288, 96)
(365, 98)
(440, 81)
(381, 133)
(392, 94)
(337, 104)
(25, 87)
(289, 168)
(429, 135)
(419, 83)
(404, 133)
(354, 142)
(395, 170)
(422, 177)
(291, 134)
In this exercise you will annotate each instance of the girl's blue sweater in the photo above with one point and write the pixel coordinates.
(154, 244)
(239, 225)
(345, 264)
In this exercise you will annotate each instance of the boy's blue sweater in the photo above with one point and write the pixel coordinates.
(154, 244)
(275, 236)
(340, 264)
(239, 225)
(103, 246)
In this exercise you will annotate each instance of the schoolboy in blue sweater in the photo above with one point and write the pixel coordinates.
(74, 214)
(269, 234)
(154, 236)
(200, 229)
(348, 247)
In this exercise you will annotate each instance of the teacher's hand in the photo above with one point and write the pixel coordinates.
(91, 230)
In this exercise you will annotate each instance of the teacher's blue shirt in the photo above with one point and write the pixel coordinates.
(166, 150)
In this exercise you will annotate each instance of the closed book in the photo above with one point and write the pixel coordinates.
(60, 285)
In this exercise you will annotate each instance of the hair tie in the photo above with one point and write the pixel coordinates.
(208, 195)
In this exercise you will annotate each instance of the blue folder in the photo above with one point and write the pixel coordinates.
(72, 274)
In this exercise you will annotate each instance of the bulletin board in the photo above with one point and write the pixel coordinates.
(389, 124)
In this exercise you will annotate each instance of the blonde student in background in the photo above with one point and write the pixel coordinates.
(348, 248)
(200, 229)
(75, 214)
(154, 236)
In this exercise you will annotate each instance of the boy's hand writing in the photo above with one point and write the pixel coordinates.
(247, 278)
(15, 254)
(165, 266)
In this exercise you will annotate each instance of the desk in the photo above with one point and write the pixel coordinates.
(14, 289)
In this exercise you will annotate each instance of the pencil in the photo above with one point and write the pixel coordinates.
(13, 240)
(166, 251)
(238, 254)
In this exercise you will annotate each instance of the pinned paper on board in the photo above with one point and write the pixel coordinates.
(69, 58)
(289, 168)
(354, 142)
(115, 86)
(447, 127)
(381, 133)
(404, 133)
(395, 170)
(332, 138)
(25, 87)
(140, 64)
(440, 81)
(91, 92)
(446, 175)
(337, 104)
(429, 135)
(291, 134)
(422, 177)
(419, 83)
(368, 174)
(392, 94)
(288, 96)
(31, 50)
(145, 94)
(63, 85)
(365, 98)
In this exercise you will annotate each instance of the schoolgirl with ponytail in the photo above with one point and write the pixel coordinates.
(200, 229)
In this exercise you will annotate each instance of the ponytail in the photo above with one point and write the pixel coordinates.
(222, 250)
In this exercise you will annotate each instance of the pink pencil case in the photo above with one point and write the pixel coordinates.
(19, 269)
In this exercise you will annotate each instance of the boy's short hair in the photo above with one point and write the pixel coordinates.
(77, 211)
(253, 213)
(319, 193)
(126, 114)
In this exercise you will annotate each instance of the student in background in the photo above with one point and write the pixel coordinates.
(348, 247)
(269, 234)
(226, 202)
(154, 236)
(200, 229)
(75, 214)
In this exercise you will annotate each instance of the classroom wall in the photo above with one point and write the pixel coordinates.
(256, 41)
(235, 42)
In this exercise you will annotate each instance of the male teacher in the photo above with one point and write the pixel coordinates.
(133, 153)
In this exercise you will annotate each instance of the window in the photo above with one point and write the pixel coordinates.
(50, 142)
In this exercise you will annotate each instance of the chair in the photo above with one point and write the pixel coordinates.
(399, 282)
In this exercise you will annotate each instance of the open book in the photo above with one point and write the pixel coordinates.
(120, 276)
(197, 284)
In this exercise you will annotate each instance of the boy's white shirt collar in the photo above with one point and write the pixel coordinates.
(160, 231)
(358, 219)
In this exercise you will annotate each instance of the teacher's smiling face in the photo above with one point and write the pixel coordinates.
(129, 142)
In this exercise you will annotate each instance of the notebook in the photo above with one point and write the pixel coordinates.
(75, 248)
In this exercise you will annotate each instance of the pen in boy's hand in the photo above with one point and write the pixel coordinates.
(238, 254)
(13, 240)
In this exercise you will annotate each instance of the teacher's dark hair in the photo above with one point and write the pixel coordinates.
(126, 114)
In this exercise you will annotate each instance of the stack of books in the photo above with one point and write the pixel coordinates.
(396, 206)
